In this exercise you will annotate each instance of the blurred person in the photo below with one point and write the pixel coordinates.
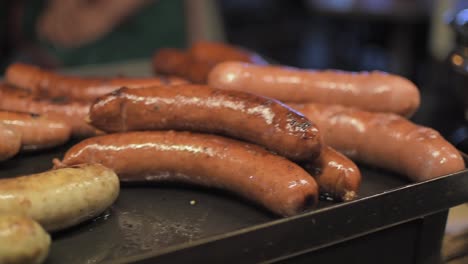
(442, 37)
(54, 33)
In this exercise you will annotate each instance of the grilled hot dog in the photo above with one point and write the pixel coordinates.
(252, 118)
(50, 84)
(199, 60)
(374, 91)
(72, 113)
(10, 142)
(37, 132)
(216, 52)
(336, 175)
(385, 140)
(208, 160)
(178, 63)
(60, 198)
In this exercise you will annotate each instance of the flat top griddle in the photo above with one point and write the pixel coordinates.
(154, 220)
(175, 223)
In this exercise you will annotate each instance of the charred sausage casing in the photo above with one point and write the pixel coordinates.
(371, 91)
(207, 160)
(198, 108)
(385, 140)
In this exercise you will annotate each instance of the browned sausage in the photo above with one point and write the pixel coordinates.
(208, 160)
(199, 108)
(37, 132)
(336, 175)
(199, 60)
(374, 91)
(385, 140)
(50, 84)
(73, 113)
(216, 52)
(178, 63)
(10, 142)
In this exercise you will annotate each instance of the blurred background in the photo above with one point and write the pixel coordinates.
(400, 36)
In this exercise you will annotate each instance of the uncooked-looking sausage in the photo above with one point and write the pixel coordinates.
(22, 240)
(10, 142)
(60, 198)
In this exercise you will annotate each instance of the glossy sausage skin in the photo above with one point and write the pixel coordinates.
(60, 198)
(37, 132)
(371, 91)
(179, 63)
(385, 140)
(22, 240)
(198, 108)
(72, 113)
(207, 160)
(52, 85)
(337, 176)
(10, 142)
(217, 52)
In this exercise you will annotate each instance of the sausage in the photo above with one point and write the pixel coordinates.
(199, 108)
(385, 140)
(371, 91)
(216, 52)
(50, 84)
(201, 159)
(72, 113)
(178, 63)
(37, 132)
(23, 240)
(337, 176)
(10, 142)
(61, 198)
(196, 63)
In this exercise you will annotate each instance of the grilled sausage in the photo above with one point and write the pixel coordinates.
(72, 113)
(52, 85)
(22, 240)
(10, 142)
(37, 132)
(207, 160)
(337, 176)
(216, 52)
(178, 63)
(374, 91)
(385, 140)
(199, 60)
(198, 108)
(60, 198)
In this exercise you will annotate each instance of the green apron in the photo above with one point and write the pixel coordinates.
(160, 24)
